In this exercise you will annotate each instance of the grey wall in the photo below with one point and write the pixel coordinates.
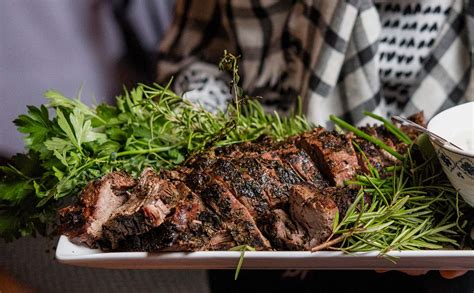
(63, 45)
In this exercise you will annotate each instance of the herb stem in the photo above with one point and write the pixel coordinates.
(391, 127)
(365, 136)
(144, 151)
(330, 243)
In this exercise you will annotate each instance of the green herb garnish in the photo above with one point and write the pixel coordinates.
(242, 249)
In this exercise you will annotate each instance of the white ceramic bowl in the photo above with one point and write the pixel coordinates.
(457, 125)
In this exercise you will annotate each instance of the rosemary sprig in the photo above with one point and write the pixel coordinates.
(408, 211)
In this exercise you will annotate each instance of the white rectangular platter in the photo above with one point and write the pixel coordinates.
(70, 253)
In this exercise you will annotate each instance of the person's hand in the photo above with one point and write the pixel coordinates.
(447, 274)
(452, 274)
(9, 284)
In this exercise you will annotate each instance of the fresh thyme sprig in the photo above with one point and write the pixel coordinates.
(229, 63)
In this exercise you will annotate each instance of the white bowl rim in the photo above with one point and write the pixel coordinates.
(447, 147)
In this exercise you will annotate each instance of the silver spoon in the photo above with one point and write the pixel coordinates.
(412, 124)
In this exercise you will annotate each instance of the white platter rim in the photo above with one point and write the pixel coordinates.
(94, 254)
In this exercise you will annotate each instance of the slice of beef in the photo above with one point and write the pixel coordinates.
(268, 178)
(237, 218)
(285, 152)
(251, 179)
(283, 233)
(314, 209)
(100, 198)
(276, 166)
(190, 227)
(197, 223)
(243, 186)
(151, 201)
(332, 152)
(299, 161)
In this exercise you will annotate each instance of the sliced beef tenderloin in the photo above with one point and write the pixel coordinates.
(244, 187)
(299, 161)
(332, 152)
(251, 193)
(100, 198)
(237, 218)
(314, 209)
(197, 223)
(151, 201)
(266, 175)
(190, 227)
(283, 233)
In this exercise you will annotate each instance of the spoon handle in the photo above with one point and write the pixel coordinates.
(418, 127)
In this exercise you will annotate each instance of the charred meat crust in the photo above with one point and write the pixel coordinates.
(332, 152)
(315, 210)
(275, 177)
(236, 217)
(192, 226)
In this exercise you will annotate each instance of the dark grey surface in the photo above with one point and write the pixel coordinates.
(338, 281)
(31, 261)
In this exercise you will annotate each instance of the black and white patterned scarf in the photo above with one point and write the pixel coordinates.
(323, 50)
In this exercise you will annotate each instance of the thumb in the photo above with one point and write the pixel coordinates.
(451, 274)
